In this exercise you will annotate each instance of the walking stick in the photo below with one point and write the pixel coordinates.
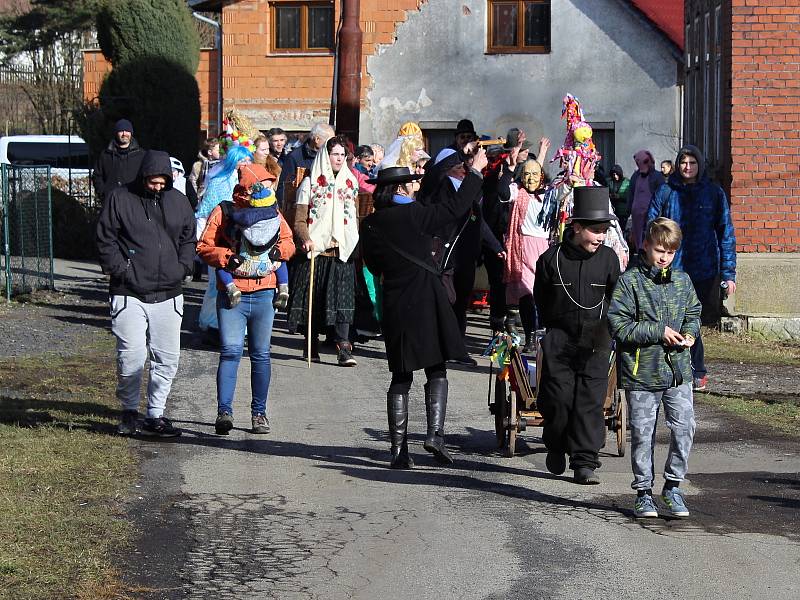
(310, 305)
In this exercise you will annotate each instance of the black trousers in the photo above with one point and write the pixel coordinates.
(709, 294)
(463, 282)
(497, 290)
(572, 392)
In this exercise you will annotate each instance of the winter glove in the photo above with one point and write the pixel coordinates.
(275, 254)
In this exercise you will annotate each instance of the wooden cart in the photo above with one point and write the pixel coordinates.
(513, 403)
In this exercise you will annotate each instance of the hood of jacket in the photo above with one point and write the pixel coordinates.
(156, 162)
(676, 181)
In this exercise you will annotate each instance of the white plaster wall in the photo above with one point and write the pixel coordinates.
(620, 69)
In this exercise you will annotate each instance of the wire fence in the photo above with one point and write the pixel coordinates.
(27, 258)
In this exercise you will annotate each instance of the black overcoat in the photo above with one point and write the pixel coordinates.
(419, 325)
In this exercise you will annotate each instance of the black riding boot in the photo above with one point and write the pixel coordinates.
(513, 322)
(435, 406)
(397, 409)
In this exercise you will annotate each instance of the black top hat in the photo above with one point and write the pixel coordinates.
(396, 175)
(465, 126)
(590, 203)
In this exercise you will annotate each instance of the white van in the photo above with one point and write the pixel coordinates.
(66, 155)
(62, 152)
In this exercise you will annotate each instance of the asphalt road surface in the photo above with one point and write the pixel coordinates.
(311, 510)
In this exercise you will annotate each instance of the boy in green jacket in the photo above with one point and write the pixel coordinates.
(655, 317)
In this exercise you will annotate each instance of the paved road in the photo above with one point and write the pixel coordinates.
(311, 511)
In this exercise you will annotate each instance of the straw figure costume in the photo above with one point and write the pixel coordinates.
(419, 326)
(578, 158)
(326, 224)
(574, 282)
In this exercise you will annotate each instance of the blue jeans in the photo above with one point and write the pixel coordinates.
(255, 315)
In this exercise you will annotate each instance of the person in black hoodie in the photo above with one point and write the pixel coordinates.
(146, 244)
(572, 290)
(118, 164)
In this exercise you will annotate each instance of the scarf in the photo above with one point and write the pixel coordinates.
(332, 212)
(514, 265)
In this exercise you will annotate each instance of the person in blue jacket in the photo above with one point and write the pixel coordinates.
(708, 252)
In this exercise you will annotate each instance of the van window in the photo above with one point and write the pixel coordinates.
(57, 155)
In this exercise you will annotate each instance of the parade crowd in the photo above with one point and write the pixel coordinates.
(356, 243)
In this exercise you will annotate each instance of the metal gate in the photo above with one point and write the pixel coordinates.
(27, 258)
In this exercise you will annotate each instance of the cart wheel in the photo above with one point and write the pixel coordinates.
(621, 421)
(511, 446)
(500, 412)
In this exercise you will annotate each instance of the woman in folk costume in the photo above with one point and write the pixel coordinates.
(578, 157)
(326, 224)
(527, 239)
(419, 326)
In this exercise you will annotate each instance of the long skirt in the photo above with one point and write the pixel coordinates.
(334, 292)
(532, 248)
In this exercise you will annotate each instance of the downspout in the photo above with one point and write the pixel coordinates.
(332, 112)
(218, 27)
(348, 84)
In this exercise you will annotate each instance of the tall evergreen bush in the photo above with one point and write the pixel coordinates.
(130, 29)
(154, 49)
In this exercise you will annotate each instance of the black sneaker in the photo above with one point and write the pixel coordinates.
(345, 356)
(260, 424)
(223, 424)
(159, 427)
(129, 423)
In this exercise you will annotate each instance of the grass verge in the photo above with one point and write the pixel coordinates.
(745, 349)
(776, 412)
(62, 475)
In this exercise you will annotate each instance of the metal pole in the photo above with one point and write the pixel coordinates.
(6, 227)
(348, 86)
(218, 27)
(50, 226)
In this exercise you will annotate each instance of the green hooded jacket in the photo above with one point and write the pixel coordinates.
(644, 302)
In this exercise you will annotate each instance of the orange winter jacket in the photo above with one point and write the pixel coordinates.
(215, 248)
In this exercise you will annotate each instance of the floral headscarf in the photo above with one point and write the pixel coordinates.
(332, 211)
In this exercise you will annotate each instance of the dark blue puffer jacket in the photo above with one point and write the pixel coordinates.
(702, 211)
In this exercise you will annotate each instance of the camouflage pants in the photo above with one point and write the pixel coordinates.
(679, 415)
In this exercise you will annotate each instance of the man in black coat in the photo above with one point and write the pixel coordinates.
(119, 163)
(419, 326)
(146, 242)
(457, 245)
(572, 290)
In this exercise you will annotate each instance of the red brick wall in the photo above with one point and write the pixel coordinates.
(95, 68)
(285, 87)
(765, 124)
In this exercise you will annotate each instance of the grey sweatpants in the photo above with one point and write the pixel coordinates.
(141, 327)
(679, 415)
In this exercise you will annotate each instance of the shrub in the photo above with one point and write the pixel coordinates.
(130, 29)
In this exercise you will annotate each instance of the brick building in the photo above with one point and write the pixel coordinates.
(742, 107)
(508, 63)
